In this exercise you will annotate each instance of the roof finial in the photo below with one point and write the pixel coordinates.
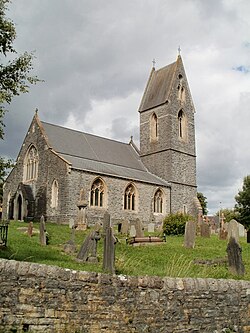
(179, 50)
(36, 111)
(154, 62)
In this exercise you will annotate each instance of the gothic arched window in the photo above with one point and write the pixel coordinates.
(182, 125)
(31, 164)
(153, 127)
(97, 193)
(54, 194)
(158, 201)
(129, 197)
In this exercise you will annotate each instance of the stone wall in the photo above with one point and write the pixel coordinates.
(40, 298)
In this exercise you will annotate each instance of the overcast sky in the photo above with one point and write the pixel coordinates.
(95, 58)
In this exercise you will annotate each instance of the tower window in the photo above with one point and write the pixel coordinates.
(129, 197)
(182, 125)
(31, 164)
(158, 201)
(97, 193)
(153, 127)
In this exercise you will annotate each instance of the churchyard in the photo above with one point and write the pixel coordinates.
(207, 259)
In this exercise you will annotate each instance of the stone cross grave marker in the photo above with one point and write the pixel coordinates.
(109, 251)
(30, 229)
(190, 233)
(42, 231)
(234, 253)
(106, 222)
(151, 227)
(233, 230)
(205, 230)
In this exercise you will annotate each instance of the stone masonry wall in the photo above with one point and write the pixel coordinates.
(40, 298)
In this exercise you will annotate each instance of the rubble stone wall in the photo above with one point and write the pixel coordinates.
(41, 298)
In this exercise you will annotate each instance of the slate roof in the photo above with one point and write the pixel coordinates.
(97, 154)
(158, 87)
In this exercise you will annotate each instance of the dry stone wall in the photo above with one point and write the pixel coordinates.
(40, 298)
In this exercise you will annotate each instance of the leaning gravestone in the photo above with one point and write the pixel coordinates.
(109, 251)
(88, 250)
(190, 233)
(205, 230)
(234, 253)
(233, 230)
(42, 231)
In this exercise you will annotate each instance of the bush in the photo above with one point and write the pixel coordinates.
(174, 224)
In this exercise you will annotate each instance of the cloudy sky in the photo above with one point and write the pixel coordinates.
(95, 57)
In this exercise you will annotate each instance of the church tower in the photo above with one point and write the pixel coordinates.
(167, 133)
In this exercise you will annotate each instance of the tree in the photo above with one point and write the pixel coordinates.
(14, 76)
(243, 203)
(203, 202)
(14, 73)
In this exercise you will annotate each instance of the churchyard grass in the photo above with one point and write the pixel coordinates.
(164, 259)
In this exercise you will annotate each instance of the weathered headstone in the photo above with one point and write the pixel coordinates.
(190, 233)
(109, 251)
(71, 223)
(132, 231)
(242, 231)
(139, 228)
(70, 246)
(42, 231)
(125, 227)
(30, 229)
(88, 250)
(205, 230)
(234, 253)
(226, 226)
(233, 230)
(151, 227)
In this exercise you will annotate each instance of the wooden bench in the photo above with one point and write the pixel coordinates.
(145, 240)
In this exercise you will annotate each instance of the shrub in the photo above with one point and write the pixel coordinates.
(174, 224)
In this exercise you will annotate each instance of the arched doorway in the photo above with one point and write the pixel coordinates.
(19, 207)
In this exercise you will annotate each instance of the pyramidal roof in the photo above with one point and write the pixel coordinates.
(159, 86)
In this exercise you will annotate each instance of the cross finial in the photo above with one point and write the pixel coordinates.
(179, 50)
(36, 110)
(154, 62)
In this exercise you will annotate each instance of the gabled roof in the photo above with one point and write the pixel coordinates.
(158, 87)
(97, 154)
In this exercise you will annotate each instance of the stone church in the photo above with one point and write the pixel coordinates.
(60, 171)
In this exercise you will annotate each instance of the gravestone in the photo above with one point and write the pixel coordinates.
(109, 251)
(88, 250)
(125, 227)
(234, 253)
(138, 227)
(106, 222)
(226, 226)
(242, 231)
(42, 231)
(132, 231)
(233, 230)
(151, 227)
(205, 230)
(30, 229)
(190, 233)
(71, 223)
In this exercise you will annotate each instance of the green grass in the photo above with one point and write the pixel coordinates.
(167, 259)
